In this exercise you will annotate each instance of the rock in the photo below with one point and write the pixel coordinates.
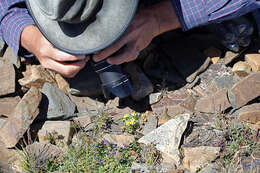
(2, 122)
(225, 81)
(141, 84)
(249, 113)
(21, 119)
(56, 132)
(58, 105)
(62, 83)
(7, 79)
(211, 168)
(85, 83)
(198, 157)
(150, 125)
(215, 103)
(43, 152)
(120, 140)
(243, 92)
(2, 48)
(230, 56)
(8, 104)
(82, 121)
(36, 76)
(213, 72)
(167, 137)
(136, 167)
(87, 104)
(8, 157)
(213, 53)
(254, 61)
(10, 57)
(154, 98)
(241, 68)
(204, 66)
(178, 102)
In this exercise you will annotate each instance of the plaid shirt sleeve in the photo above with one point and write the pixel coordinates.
(193, 13)
(13, 18)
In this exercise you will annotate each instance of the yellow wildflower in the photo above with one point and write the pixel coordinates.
(125, 116)
(132, 121)
(133, 113)
(127, 123)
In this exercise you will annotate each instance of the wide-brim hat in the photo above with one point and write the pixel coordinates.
(82, 26)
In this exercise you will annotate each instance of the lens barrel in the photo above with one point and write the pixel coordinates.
(113, 79)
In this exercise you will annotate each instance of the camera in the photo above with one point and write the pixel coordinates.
(113, 79)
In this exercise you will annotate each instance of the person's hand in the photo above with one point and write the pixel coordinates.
(66, 64)
(140, 33)
(146, 24)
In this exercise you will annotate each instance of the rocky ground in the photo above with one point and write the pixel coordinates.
(195, 108)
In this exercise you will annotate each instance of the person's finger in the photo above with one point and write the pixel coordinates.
(130, 53)
(65, 69)
(59, 55)
(103, 54)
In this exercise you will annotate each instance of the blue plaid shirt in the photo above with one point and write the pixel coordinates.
(191, 13)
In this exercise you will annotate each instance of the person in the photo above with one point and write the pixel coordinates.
(17, 29)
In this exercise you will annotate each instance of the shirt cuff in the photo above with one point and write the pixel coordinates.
(13, 24)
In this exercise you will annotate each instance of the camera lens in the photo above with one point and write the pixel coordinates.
(113, 79)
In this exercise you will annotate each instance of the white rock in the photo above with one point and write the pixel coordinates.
(167, 137)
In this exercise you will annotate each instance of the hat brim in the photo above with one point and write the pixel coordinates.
(110, 23)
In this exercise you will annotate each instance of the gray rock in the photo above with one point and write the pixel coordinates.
(167, 137)
(213, 72)
(10, 57)
(212, 168)
(136, 167)
(150, 125)
(154, 98)
(2, 123)
(141, 84)
(58, 105)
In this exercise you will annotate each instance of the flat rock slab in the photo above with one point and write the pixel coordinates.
(150, 124)
(167, 137)
(36, 75)
(249, 113)
(7, 79)
(215, 71)
(10, 57)
(87, 104)
(21, 119)
(59, 105)
(122, 140)
(8, 104)
(58, 131)
(175, 103)
(43, 151)
(214, 103)
(245, 90)
(198, 157)
(83, 121)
